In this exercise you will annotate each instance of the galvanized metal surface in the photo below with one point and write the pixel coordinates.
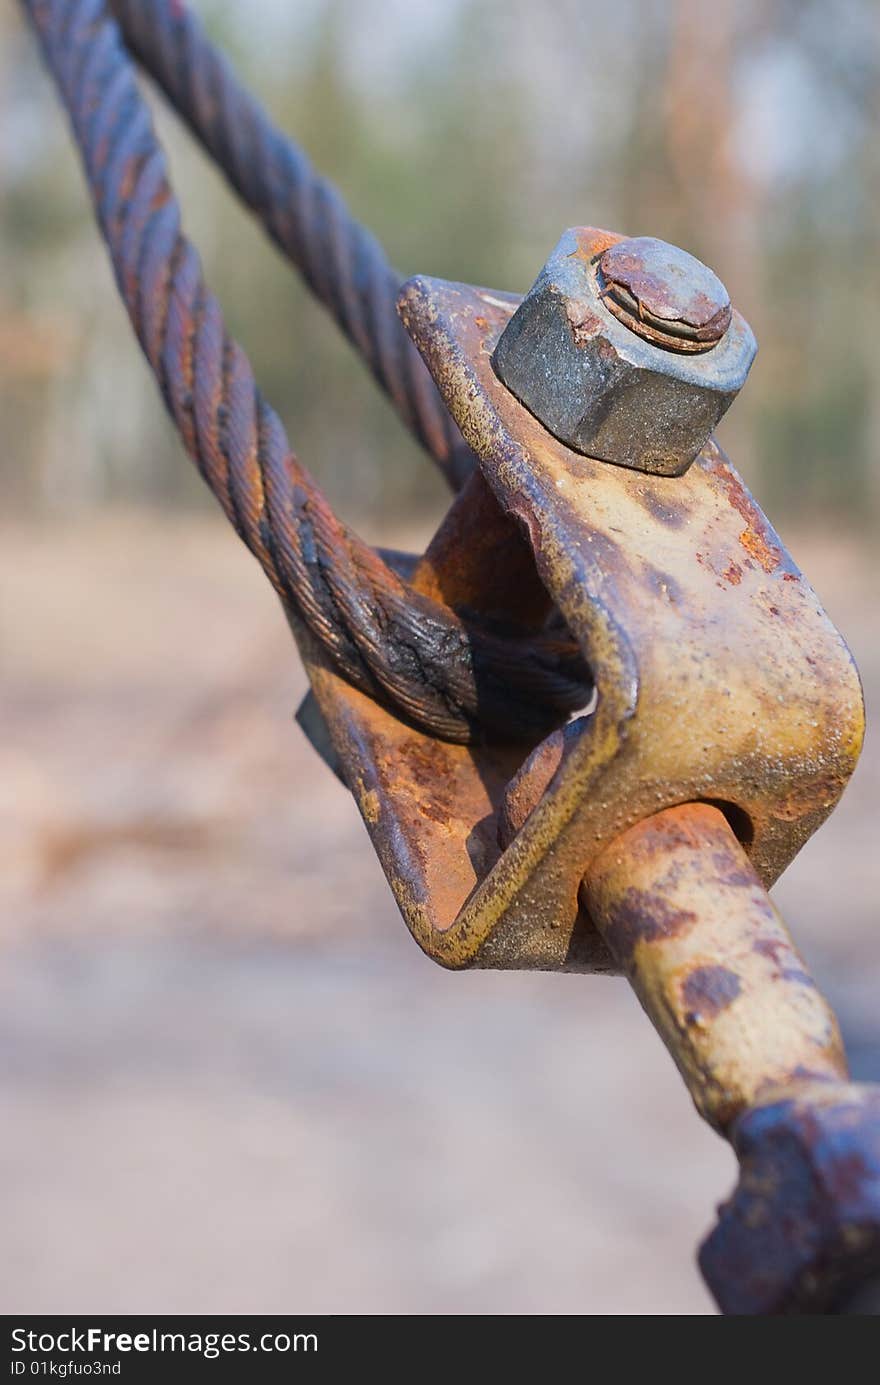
(626, 350)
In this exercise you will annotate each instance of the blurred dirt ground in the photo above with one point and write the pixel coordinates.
(230, 1082)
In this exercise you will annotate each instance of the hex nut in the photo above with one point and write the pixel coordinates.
(610, 390)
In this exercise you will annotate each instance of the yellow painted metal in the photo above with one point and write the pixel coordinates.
(686, 916)
(719, 676)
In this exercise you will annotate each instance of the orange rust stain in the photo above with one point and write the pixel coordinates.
(528, 786)
(752, 537)
(767, 554)
(732, 574)
(592, 242)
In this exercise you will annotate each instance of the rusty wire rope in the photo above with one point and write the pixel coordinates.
(454, 679)
(339, 259)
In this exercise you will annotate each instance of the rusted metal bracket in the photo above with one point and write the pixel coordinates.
(641, 837)
(720, 678)
(726, 713)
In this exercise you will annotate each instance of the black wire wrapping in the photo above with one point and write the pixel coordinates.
(457, 681)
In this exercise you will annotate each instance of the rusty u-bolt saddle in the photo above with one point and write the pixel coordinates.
(642, 837)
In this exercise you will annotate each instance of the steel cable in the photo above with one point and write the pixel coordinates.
(458, 681)
(340, 260)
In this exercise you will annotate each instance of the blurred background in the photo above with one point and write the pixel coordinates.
(229, 1081)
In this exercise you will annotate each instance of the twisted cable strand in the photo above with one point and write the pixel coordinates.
(340, 260)
(387, 639)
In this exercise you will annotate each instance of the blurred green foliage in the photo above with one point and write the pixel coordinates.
(468, 134)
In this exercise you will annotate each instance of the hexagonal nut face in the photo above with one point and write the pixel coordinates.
(801, 1233)
(598, 386)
